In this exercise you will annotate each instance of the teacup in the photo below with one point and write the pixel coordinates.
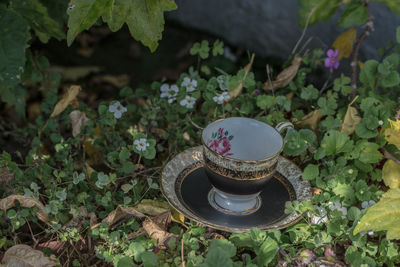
(240, 158)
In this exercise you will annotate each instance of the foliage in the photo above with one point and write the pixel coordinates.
(91, 171)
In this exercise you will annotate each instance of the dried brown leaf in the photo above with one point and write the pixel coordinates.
(26, 202)
(155, 231)
(75, 73)
(152, 207)
(5, 176)
(238, 90)
(55, 246)
(345, 43)
(34, 110)
(25, 256)
(78, 118)
(89, 170)
(67, 99)
(351, 119)
(163, 220)
(94, 153)
(285, 76)
(116, 80)
(122, 213)
(311, 119)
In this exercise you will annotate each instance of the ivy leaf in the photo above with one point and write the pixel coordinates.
(354, 14)
(324, 9)
(83, 14)
(39, 18)
(384, 215)
(391, 174)
(14, 35)
(335, 142)
(145, 19)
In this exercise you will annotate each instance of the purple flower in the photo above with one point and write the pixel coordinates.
(332, 61)
(256, 92)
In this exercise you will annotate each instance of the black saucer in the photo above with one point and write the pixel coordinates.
(192, 188)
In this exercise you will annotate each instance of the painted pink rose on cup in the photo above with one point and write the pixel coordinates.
(220, 142)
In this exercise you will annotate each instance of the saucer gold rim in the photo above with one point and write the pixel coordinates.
(184, 159)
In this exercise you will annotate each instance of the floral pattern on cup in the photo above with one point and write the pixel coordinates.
(220, 142)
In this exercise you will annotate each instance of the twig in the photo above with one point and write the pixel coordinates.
(390, 156)
(182, 255)
(397, 113)
(369, 27)
(304, 30)
(193, 123)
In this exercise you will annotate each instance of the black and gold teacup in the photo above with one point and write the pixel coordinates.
(240, 158)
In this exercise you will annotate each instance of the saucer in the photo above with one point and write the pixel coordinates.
(185, 185)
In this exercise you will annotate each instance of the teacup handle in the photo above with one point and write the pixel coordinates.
(283, 125)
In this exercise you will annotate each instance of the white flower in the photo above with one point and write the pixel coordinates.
(189, 84)
(169, 91)
(319, 219)
(188, 102)
(117, 109)
(380, 122)
(228, 54)
(221, 98)
(141, 144)
(367, 204)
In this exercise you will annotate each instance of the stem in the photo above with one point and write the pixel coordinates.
(390, 156)
(369, 27)
(304, 30)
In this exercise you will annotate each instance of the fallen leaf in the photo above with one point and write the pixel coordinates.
(391, 174)
(392, 133)
(122, 213)
(177, 217)
(345, 43)
(116, 80)
(311, 119)
(285, 76)
(55, 246)
(351, 119)
(26, 202)
(317, 191)
(25, 256)
(154, 231)
(238, 90)
(5, 176)
(93, 152)
(67, 99)
(34, 110)
(152, 207)
(75, 73)
(186, 136)
(78, 118)
(89, 170)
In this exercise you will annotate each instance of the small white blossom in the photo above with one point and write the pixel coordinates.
(141, 144)
(188, 102)
(367, 204)
(189, 84)
(221, 98)
(169, 92)
(117, 109)
(380, 122)
(322, 218)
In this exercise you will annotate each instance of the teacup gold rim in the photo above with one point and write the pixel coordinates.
(241, 160)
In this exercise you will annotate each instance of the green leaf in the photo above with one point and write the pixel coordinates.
(363, 132)
(309, 92)
(354, 14)
(266, 253)
(218, 48)
(202, 49)
(324, 9)
(327, 105)
(394, 5)
(127, 167)
(353, 214)
(124, 154)
(145, 19)
(149, 259)
(335, 142)
(398, 34)
(83, 14)
(384, 215)
(219, 253)
(369, 72)
(391, 80)
(14, 35)
(39, 18)
(311, 172)
(346, 192)
(265, 101)
(369, 153)
(295, 143)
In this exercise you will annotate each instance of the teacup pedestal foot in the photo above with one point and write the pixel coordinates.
(234, 204)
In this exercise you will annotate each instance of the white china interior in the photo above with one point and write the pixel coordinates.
(252, 139)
